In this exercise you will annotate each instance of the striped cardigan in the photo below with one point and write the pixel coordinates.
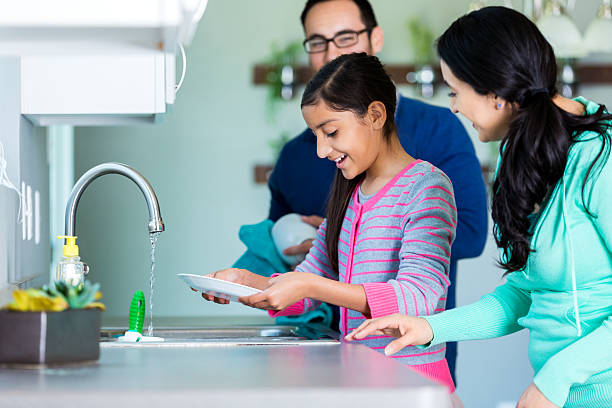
(397, 246)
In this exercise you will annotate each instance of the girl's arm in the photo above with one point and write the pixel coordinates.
(287, 289)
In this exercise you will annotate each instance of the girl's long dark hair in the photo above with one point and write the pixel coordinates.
(351, 82)
(499, 51)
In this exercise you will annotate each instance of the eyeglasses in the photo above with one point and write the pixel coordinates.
(343, 39)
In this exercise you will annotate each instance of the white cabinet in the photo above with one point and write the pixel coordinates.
(83, 89)
(97, 62)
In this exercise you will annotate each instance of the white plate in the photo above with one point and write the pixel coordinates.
(217, 287)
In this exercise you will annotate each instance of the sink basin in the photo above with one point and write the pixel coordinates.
(228, 336)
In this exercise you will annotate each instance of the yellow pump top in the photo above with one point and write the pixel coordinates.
(70, 247)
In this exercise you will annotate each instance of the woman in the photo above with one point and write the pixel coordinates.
(551, 208)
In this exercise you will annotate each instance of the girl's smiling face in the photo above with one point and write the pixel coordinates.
(352, 142)
(490, 115)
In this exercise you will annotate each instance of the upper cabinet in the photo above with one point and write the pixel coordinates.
(98, 62)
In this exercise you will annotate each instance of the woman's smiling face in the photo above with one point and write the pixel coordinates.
(489, 114)
(344, 137)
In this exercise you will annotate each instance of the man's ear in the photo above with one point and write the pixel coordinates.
(377, 39)
(377, 115)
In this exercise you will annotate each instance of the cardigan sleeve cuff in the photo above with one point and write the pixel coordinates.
(553, 384)
(295, 309)
(381, 299)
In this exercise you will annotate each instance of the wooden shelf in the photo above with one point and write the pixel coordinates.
(261, 173)
(585, 73)
(303, 73)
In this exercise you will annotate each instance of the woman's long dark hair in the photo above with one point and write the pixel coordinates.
(351, 82)
(499, 51)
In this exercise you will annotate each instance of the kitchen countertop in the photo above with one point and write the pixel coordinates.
(278, 375)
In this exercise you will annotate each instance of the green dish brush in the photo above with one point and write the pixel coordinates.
(137, 312)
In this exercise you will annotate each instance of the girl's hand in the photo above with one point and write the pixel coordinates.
(410, 330)
(241, 276)
(533, 398)
(281, 292)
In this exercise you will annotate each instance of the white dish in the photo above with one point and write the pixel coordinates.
(217, 287)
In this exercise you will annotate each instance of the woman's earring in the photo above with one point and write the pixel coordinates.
(499, 106)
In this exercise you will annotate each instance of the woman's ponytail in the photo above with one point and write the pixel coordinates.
(533, 158)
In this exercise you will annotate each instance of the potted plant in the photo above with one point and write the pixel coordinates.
(422, 39)
(56, 324)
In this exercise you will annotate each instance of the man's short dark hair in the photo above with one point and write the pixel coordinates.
(365, 8)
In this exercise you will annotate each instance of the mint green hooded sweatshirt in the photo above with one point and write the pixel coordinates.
(563, 296)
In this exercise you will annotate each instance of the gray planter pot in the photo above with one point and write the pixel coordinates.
(49, 338)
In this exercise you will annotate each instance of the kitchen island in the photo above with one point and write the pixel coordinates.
(337, 374)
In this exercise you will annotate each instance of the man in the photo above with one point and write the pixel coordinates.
(300, 182)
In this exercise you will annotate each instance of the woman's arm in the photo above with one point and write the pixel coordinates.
(494, 315)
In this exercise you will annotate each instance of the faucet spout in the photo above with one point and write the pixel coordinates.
(156, 223)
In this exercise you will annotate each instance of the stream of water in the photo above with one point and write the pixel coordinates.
(153, 237)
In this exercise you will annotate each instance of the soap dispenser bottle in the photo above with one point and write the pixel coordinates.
(70, 269)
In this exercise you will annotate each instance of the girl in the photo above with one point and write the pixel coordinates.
(385, 244)
(551, 207)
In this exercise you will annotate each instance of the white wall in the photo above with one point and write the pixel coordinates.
(24, 254)
(9, 199)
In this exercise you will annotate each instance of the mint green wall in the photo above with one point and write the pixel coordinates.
(200, 158)
(200, 161)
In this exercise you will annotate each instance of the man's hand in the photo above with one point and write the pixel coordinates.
(305, 246)
(313, 220)
(533, 398)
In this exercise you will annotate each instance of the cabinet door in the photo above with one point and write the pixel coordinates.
(97, 84)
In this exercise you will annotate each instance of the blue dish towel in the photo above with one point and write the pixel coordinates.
(262, 258)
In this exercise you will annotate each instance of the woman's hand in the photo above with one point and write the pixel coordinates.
(281, 292)
(410, 330)
(533, 398)
(241, 276)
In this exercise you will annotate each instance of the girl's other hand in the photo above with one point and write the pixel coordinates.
(533, 398)
(410, 330)
(240, 276)
(281, 292)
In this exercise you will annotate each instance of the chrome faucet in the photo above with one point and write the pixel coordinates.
(71, 269)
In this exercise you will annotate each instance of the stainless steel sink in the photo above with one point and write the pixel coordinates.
(228, 336)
